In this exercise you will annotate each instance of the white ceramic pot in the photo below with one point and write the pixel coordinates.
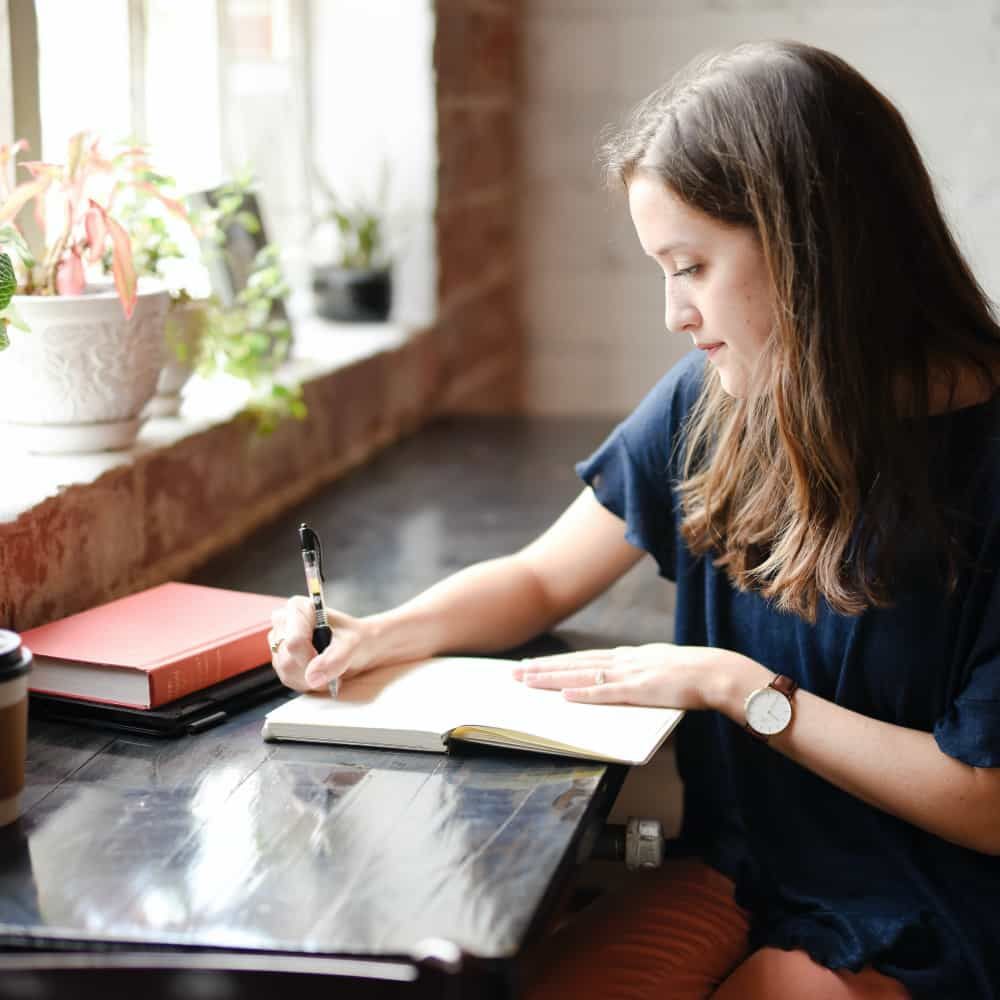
(79, 380)
(185, 326)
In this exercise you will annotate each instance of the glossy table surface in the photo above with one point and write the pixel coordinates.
(222, 841)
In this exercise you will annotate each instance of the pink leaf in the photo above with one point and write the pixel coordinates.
(47, 172)
(69, 275)
(96, 231)
(74, 154)
(171, 204)
(8, 152)
(75, 192)
(38, 168)
(135, 156)
(98, 163)
(122, 265)
(20, 196)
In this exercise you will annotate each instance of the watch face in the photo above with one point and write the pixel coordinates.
(768, 711)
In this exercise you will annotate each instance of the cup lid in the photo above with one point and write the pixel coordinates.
(10, 646)
(14, 658)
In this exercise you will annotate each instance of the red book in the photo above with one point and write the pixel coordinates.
(152, 647)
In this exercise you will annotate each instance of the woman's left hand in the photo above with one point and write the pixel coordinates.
(660, 673)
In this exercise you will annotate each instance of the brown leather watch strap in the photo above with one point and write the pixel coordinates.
(784, 684)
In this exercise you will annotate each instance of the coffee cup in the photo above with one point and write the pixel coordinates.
(15, 663)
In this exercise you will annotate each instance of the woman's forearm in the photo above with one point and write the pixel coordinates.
(901, 771)
(503, 602)
(490, 606)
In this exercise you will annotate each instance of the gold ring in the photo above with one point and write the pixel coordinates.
(599, 677)
(275, 643)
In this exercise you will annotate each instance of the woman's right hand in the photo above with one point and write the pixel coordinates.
(351, 649)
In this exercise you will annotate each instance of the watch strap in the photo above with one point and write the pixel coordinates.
(784, 684)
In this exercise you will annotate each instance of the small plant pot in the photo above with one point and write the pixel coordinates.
(347, 295)
(185, 327)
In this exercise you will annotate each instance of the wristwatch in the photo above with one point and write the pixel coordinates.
(768, 710)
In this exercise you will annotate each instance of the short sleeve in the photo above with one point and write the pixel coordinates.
(970, 729)
(633, 472)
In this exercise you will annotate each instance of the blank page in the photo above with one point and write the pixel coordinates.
(447, 694)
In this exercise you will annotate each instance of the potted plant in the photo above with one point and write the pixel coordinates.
(250, 338)
(79, 380)
(246, 336)
(357, 286)
(160, 229)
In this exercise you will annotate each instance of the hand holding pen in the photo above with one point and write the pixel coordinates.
(301, 636)
(312, 560)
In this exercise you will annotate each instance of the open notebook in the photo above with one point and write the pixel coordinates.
(426, 704)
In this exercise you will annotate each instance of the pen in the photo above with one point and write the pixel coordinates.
(312, 560)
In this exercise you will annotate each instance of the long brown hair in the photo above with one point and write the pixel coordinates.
(813, 484)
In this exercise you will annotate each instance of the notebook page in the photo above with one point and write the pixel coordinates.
(393, 700)
(485, 695)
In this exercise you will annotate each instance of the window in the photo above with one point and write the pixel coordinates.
(280, 86)
(264, 67)
(182, 110)
(83, 72)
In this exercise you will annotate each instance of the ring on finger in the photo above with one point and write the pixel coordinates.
(275, 644)
(599, 677)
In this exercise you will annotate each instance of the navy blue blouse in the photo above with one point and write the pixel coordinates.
(819, 869)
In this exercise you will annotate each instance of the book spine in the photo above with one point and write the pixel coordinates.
(192, 673)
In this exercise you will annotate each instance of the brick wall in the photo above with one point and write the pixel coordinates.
(475, 60)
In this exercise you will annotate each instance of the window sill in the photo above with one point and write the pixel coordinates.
(320, 349)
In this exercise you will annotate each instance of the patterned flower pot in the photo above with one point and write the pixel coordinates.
(78, 381)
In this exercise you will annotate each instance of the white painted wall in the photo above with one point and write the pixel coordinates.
(591, 301)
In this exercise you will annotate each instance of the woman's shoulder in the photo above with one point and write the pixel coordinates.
(971, 434)
(673, 396)
(651, 433)
(963, 469)
(982, 440)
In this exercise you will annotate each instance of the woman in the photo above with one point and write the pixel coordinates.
(821, 477)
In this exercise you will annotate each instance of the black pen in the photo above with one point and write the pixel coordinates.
(312, 560)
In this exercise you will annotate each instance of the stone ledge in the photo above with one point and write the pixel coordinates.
(320, 348)
(82, 531)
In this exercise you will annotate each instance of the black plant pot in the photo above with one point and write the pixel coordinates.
(362, 295)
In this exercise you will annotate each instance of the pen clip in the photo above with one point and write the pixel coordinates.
(310, 541)
(319, 557)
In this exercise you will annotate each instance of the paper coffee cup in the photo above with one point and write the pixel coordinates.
(15, 663)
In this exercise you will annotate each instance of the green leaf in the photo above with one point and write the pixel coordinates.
(11, 236)
(8, 282)
(12, 316)
(248, 221)
(4, 339)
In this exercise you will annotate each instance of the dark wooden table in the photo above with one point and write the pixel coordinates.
(221, 844)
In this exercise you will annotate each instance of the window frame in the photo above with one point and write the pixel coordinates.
(20, 102)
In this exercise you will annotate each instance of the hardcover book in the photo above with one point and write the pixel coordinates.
(152, 647)
(426, 704)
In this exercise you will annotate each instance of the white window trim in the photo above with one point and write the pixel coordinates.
(6, 76)
(137, 69)
(20, 106)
